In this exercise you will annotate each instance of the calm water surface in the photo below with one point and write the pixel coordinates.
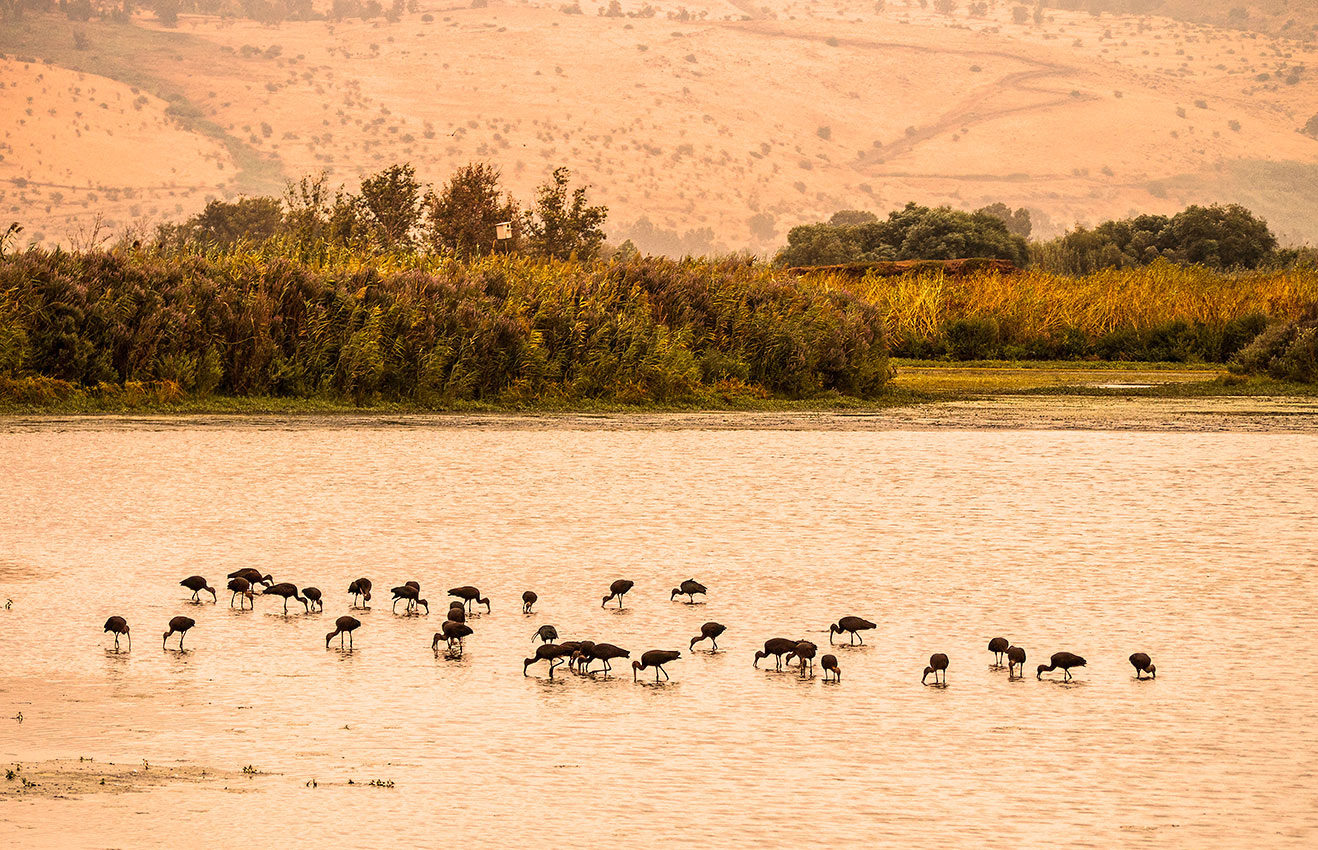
(1196, 548)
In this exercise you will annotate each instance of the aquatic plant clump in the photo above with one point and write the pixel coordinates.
(426, 330)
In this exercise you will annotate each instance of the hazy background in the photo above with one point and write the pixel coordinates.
(702, 125)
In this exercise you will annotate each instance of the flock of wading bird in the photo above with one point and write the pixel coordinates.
(580, 654)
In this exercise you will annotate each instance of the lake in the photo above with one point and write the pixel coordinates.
(1195, 547)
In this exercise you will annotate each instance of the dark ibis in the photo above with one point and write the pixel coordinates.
(411, 594)
(937, 664)
(528, 600)
(253, 576)
(1143, 664)
(119, 626)
(998, 646)
(804, 652)
(314, 599)
(242, 589)
(1063, 661)
(551, 652)
(607, 653)
(689, 589)
(180, 625)
(655, 658)
(618, 590)
(360, 588)
(457, 612)
(197, 584)
(288, 591)
(546, 634)
(471, 596)
(1015, 661)
(452, 632)
(777, 647)
(850, 625)
(344, 625)
(710, 632)
(829, 663)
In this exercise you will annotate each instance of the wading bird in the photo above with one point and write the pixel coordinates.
(852, 625)
(313, 596)
(1015, 661)
(689, 589)
(777, 647)
(546, 634)
(411, 594)
(655, 658)
(197, 584)
(998, 646)
(804, 652)
(528, 600)
(344, 625)
(618, 590)
(253, 576)
(453, 633)
(1143, 664)
(241, 587)
(937, 664)
(1063, 661)
(829, 663)
(180, 625)
(471, 595)
(288, 591)
(551, 652)
(360, 588)
(605, 652)
(119, 626)
(710, 632)
(457, 612)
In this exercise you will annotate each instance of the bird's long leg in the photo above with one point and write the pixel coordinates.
(715, 642)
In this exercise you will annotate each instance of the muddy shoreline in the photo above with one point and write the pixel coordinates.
(1027, 413)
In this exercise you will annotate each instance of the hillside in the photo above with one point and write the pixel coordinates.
(719, 131)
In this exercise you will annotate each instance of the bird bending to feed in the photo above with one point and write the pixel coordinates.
(998, 646)
(655, 658)
(344, 625)
(1061, 660)
(854, 625)
(119, 626)
(689, 589)
(710, 632)
(288, 591)
(546, 633)
(180, 625)
(804, 652)
(411, 593)
(313, 596)
(829, 663)
(605, 652)
(777, 647)
(253, 576)
(241, 587)
(197, 584)
(457, 612)
(360, 588)
(471, 595)
(1143, 664)
(452, 632)
(528, 599)
(551, 652)
(937, 664)
(1015, 661)
(618, 590)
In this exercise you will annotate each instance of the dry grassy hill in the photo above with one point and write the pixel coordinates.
(718, 131)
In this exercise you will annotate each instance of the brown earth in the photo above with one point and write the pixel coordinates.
(727, 129)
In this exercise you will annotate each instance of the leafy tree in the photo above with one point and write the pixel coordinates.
(1017, 222)
(390, 204)
(911, 233)
(462, 217)
(845, 217)
(561, 228)
(226, 223)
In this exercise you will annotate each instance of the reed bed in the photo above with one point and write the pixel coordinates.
(430, 331)
(1158, 312)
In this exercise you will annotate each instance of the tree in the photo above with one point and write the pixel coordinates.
(391, 204)
(1017, 222)
(845, 217)
(462, 217)
(557, 228)
(1020, 14)
(1221, 236)
(225, 223)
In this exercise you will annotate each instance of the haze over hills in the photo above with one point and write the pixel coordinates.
(706, 126)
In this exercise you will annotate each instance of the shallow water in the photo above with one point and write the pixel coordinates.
(1194, 547)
